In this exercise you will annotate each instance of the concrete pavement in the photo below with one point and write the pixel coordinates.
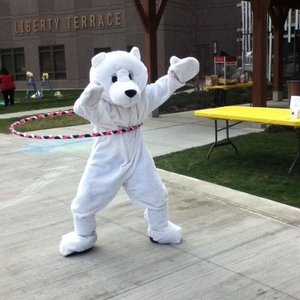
(235, 245)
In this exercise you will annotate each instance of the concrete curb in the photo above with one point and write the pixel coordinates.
(266, 207)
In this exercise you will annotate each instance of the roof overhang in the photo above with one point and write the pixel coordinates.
(285, 3)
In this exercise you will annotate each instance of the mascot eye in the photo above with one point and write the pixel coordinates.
(130, 77)
(114, 79)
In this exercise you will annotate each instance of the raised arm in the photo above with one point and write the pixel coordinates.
(86, 105)
(180, 71)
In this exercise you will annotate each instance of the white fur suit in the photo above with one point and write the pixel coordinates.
(118, 97)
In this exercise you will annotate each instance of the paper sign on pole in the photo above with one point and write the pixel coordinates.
(295, 107)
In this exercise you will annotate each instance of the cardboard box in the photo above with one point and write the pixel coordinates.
(211, 80)
(214, 79)
(208, 80)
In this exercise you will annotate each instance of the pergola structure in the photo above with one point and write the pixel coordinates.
(150, 17)
(278, 11)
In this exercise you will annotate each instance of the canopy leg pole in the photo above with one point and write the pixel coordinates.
(298, 154)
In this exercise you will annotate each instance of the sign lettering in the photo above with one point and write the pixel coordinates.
(68, 23)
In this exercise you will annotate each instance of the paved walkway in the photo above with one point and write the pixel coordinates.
(235, 246)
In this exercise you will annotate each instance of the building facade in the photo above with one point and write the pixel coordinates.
(59, 37)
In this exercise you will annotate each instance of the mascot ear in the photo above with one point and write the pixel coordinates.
(174, 60)
(136, 52)
(98, 58)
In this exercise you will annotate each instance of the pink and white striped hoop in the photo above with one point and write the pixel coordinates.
(63, 137)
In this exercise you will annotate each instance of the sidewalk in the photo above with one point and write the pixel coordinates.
(235, 246)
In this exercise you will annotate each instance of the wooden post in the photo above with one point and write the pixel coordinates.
(151, 41)
(150, 19)
(260, 9)
(278, 15)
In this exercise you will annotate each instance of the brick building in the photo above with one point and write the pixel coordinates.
(60, 37)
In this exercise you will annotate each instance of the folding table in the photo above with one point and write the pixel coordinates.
(240, 114)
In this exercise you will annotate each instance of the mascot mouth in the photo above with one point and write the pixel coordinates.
(120, 94)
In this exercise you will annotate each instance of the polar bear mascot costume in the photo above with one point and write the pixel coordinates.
(118, 97)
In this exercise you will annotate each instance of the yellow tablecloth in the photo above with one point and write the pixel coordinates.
(229, 86)
(262, 115)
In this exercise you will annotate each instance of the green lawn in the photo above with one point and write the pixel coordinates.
(48, 101)
(260, 168)
(178, 102)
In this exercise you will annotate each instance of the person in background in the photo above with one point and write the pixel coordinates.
(7, 86)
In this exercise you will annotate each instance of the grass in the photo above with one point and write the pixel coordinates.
(179, 102)
(48, 101)
(52, 122)
(260, 168)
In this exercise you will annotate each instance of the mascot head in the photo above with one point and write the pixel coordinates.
(122, 75)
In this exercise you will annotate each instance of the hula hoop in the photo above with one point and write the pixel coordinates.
(13, 130)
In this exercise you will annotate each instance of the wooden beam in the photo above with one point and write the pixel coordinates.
(259, 91)
(284, 3)
(278, 15)
(150, 20)
(151, 40)
(287, 3)
(141, 12)
(160, 12)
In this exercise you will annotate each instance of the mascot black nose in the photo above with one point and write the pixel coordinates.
(130, 93)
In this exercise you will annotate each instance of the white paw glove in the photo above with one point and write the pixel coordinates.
(184, 69)
(92, 94)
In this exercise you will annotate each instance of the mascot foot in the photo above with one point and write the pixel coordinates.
(152, 240)
(169, 235)
(72, 242)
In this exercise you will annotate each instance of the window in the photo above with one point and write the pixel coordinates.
(14, 61)
(103, 49)
(52, 61)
